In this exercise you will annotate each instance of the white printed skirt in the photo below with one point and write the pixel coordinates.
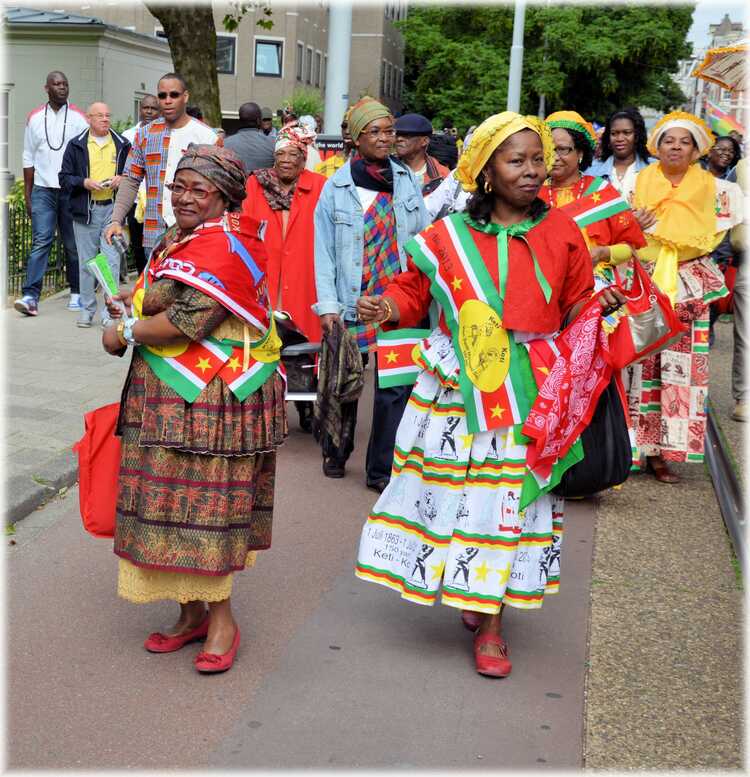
(449, 518)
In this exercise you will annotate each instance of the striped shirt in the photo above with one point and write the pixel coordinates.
(149, 159)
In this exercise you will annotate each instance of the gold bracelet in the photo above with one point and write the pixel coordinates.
(388, 313)
(120, 336)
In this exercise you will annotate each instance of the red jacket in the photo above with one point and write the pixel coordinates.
(291, 267)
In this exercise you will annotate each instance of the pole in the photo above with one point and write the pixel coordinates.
(516, 58)
(337, 72)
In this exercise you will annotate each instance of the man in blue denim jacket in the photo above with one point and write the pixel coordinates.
(366, 213)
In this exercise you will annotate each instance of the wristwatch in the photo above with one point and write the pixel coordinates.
(125, 331)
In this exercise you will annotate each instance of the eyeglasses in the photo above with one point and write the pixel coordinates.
(180, 190)
(563, 151)
(173, 95)
(100, 115)
(376, 133)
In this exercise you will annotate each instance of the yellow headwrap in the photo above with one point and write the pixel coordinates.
(489, 135)
(573, 121)
(702, 135)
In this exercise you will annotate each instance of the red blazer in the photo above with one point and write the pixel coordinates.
(291, 266)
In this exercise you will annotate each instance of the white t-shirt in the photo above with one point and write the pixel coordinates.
(179, 139)
(129, 134)
(40, 147)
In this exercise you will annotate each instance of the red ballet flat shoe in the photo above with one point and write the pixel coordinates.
(211, 663)
(163, 643)
(492, 666)
(471, 620)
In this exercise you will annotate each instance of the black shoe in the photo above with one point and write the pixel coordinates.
(305, 418)
(333, 468)
(378, 485)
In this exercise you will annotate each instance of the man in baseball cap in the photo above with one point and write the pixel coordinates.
(413, 133)
(266, 123)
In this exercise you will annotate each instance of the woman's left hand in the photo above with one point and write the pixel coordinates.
(111, 341)
(611, 298)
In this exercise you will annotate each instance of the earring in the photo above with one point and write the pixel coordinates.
(487, 186)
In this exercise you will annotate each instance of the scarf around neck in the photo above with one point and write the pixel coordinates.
(370, 175)
(276, 196)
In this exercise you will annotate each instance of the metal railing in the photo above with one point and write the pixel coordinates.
(19, 246)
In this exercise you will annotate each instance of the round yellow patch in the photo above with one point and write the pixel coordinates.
(485, 345)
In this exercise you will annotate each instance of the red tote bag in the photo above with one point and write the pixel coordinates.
(650, 326)
(98, 467)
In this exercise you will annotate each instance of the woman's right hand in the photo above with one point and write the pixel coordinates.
(646, 218)
(327, 320)
(126, 297)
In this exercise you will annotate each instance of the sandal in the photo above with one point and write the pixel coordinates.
(491, 666)
(471, 620)
(163, 643)
(660, 470)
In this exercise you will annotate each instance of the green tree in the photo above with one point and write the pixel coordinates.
(588, 58)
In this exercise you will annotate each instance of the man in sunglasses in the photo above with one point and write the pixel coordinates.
(157, 148)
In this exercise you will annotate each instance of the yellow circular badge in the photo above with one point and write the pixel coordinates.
(159, 350)
(485, 345)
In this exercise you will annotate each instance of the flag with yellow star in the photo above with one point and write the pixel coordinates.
(397, 357)
(599, 201)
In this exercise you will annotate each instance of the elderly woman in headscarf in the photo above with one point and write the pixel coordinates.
(685, 213)
(202, 411)
(285, 196)
(310, 125)
(462, 509)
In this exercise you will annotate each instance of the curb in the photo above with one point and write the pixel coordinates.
(25, 493)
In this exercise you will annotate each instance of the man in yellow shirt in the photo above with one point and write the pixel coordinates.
(91, 169)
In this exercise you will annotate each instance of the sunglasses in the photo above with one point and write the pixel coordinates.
(164, 95)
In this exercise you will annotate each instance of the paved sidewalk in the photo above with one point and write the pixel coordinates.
(56, 373)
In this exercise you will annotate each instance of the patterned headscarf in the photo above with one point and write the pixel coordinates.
(489, 135)
(363, 112)
(702, 135)
(295, 134)
(219, 165)
(571, 120)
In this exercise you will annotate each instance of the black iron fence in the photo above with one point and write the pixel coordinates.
(19, 247)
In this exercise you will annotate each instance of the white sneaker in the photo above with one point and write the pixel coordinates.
(27, 305)
(84, 320)
(75, 302)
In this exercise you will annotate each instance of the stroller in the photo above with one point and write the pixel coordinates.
(298, 356)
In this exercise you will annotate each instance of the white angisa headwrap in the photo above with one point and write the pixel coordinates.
(702, 135)
(295, 134)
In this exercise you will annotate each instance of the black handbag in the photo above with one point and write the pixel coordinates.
(607, 455)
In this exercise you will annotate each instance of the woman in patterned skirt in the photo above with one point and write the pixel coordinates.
(202, 411)
(461, 509)
(685, 213)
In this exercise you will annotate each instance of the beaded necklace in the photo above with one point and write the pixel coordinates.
(46, 135)
(577, 194)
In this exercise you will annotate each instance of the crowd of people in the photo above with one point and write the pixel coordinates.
(540, 225)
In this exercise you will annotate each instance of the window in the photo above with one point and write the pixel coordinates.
(226, 46)
(308, 64)
(318, 67)
(382, 78)
(388, 73)
(300, 60)
(324, 71)
(268, 57)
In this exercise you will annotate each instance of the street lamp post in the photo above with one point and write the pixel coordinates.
(516, 58)
(337, 72)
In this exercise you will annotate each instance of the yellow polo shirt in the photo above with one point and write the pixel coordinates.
(102, 164)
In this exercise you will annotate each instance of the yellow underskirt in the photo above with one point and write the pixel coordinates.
(142, 586)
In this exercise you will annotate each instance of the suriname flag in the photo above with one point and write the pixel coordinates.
(397, 355)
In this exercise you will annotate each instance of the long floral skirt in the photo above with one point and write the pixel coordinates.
(450, 518)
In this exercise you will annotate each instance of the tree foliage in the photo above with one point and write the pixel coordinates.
(589, 58)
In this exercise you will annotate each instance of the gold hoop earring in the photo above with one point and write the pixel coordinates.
(487, 186)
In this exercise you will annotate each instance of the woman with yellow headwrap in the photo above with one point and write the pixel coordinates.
(685, 212)
(609, 227)
(461, 508)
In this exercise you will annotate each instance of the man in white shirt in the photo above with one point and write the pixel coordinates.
(156, 150)
(148, 110)
(49, 128)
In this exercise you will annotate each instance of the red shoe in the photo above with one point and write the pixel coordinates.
(210, 663)
(162, 643)
(471, 620)
(492, 666)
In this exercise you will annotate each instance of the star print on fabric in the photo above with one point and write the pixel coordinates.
(391, 357)
(466, 440)
(596, 196)
(437, 570)
(234, 363)
(482, 571)
(457, 283)
(497, 411)
(543, 370)
(203, 364)
(504, 573)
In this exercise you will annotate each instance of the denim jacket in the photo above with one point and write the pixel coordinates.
(339, 236)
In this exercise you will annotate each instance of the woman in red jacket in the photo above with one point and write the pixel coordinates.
(285, 196)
